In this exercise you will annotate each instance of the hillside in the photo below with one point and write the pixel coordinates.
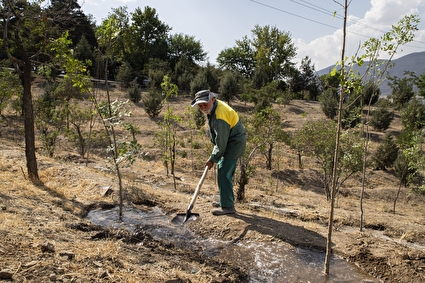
(413, 62)
(47, 237)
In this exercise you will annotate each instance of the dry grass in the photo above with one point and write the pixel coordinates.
(281, 208)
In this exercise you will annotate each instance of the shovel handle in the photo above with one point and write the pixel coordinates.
(198, 188)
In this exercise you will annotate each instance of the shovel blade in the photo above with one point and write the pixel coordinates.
(182, 218)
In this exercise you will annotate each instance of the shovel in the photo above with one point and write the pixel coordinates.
(181, 218)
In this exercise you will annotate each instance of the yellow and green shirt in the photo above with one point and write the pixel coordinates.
(226, 132)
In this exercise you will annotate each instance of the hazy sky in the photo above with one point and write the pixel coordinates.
(316, 33)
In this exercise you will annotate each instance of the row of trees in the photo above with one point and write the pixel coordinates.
(125, 46)
(61, 38)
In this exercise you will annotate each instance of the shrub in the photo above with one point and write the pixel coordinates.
(329, 104)
(134, 92)
(381, 118)
(386, 153)
(153, 102)
(125, 74)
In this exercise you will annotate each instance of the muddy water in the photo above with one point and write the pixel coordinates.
(276, 262)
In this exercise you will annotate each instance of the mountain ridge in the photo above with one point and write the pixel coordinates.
(412, 62)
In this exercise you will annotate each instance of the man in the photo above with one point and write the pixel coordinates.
(229, 138)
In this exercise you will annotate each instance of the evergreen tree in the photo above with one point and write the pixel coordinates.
(386, 153)
(381, 118)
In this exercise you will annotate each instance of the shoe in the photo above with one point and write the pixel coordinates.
(215, 204)
(224, 210)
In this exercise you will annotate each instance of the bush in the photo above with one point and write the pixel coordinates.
(153, 102)
(413, 116)
(134, 92)
(125, 74)
(381, 119)
(329, 104)
(386, 153)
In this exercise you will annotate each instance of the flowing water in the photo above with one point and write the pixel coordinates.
(274, 262)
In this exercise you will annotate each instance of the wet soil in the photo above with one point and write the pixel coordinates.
(46, 237)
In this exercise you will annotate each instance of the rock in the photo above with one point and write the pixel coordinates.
(47, 247)
(6, 274)
(31, 263)
(105, 191)
(67, 254)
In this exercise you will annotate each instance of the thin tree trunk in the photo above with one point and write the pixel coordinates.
(396, 197)
(336, 155)
(269, 157)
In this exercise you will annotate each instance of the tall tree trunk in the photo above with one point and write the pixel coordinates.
(29, 123)
(334, 172)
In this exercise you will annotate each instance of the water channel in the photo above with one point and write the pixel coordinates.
(274, 262)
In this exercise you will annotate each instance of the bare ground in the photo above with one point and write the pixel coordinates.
(44, 236)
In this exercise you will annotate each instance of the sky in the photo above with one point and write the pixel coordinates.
(314, 26)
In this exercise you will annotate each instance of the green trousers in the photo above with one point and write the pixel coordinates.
(226, 171)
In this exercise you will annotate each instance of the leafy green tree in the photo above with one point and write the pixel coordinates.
(274, 51)
(413, 116)
(199, 83)
(125, 74)
(371, 93)
(183, 74)
(402, 91)
(119, 47)
(169, 127)
(181, 45)
(259, 78)
(420, 84)
(229, 87)
(156, 70)
(27, 42)
(239, 59)
(68, 16)
(331, 81)
(84, 52)
(48, 120)
(134, 92)
(329, 103)
(80, 133)
(268, 132)
(306, 81)
(268, 53)
(112, 113)
(317, 139)
(263, 97)
(200, 119)
(400, 34)
(153, 102)
(351, 116)
(381, 118)
(410, 161)
(146, 38)
(386, 153)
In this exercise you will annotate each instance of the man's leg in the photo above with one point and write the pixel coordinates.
(226, 171)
